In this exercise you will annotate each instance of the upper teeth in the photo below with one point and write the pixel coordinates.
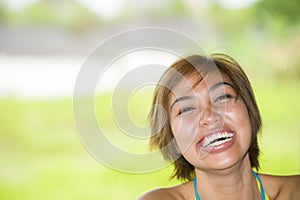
(214, 139)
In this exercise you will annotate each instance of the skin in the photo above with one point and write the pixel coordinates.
(225, 173)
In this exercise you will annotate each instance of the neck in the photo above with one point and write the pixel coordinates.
(236, 182)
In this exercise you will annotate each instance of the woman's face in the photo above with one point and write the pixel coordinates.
(211, 127)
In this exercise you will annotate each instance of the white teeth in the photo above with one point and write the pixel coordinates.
(213, 140)
(223, 135)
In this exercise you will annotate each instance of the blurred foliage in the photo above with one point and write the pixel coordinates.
(274, 18)
(287, 11)
(169, 9)
(267, 33)
(158, 10)
(42, 157)
(67, 14)
(3, 11)
(231, 21)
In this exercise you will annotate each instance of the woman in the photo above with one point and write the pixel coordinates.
(207, 122)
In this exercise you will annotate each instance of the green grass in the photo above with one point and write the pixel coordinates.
(42, 156)
(280, 140)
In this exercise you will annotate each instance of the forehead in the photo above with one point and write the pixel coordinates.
(196, 83)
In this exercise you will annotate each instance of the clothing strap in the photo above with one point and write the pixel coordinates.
(261, 189)
(195, 190)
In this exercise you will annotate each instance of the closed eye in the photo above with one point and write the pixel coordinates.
(223, 97)
(185, 110)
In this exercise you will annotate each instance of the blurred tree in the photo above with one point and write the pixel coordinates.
(280, 21)
(231, 22)
(61, 13)
(3, 11)
(285, 10)
(153, 10)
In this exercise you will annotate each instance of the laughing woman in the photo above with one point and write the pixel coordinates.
(208, 126)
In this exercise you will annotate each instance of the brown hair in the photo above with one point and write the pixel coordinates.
(161, 133)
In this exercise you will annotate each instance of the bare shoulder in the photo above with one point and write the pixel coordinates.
(282, 187)
(161, 193)
(178, 192)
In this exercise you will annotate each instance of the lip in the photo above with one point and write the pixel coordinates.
(218, 148)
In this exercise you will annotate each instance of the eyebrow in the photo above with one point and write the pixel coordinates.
(182, 99)
(219, 84)
(215, 86)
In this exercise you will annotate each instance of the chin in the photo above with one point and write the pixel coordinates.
(224, 164)
(223, 161)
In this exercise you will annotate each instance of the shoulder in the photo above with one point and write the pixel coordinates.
(182, 191)
(161, 193)
(281, 187)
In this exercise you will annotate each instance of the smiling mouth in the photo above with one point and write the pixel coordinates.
(217, 139)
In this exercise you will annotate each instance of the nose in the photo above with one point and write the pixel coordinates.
(209, 117)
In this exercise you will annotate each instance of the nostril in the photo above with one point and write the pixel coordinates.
(203, 124)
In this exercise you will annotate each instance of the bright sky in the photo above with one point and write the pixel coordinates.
(236, 3)
(108, 9)
(18, 4)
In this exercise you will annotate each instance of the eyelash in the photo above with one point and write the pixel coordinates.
(222, 97)
(183, 110)
(219, 98)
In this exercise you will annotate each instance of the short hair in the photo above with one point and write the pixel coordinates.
(161, 132)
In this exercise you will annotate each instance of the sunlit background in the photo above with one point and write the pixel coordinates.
(43, 44)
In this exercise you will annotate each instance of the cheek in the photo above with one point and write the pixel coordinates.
(240, 118)
(184, 133)
(239, 114)
(243, 117)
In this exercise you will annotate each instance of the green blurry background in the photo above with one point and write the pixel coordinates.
(41, 153)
